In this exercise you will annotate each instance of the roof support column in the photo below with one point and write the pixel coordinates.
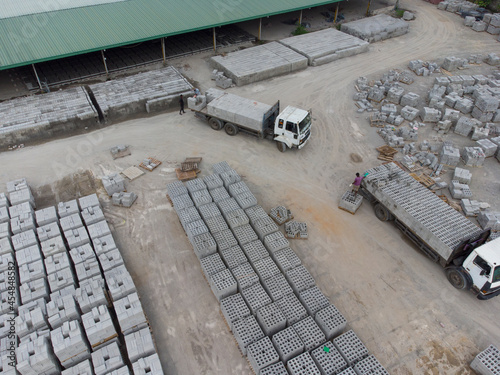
(215, 42)
(260, 29)
(163, 49)
(336, 13)
(368, 8)
(37, 79)
(104, 61)
(300, 18)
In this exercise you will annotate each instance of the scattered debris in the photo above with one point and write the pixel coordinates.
(281, 215)
(295, 229)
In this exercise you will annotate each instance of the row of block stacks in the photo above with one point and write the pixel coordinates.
(280, 319)
(68, 304)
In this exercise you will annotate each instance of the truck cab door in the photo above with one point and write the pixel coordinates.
(291, 132)
(478, 269)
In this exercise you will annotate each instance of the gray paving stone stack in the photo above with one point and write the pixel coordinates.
(255, 213)
(223, 284)
(266, 268)
(216, 224)
(148, 366)
(104, 244)
(487, 362)
(237, 218)
(110, 260)
(212, 264)
(370, 365)
(24, 239)
(310, 333)
(234, 308)
(328, 359)
(227, 205)
(69, 343)
(107, 358)
(87, 269)
(225, 239)
(351, 347)
(99, 327)
(90, 295)
(56, 262)
(246, 331)
(331, 321)
(275, 241)
(204, 245)
(99, 229)
(291, 307)
(74, 238)
(35, 357)
(271, 319)
(62, 309)
(72, 221)
(303, 365)
(313, 300)
(219, 194)
(255, 251)
(48, 231)
(245, 276)
(120, 283)
(24, 256)
(130, 314)
(264, 227)
(233, 257)
(277, 287)
(139, 344)
(286, 259)
(300, 279)
(82, 368)
(261, 354)
(256, 297)
(277, 368)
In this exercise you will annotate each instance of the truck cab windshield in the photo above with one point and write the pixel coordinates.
(496, 275)
(305, 123)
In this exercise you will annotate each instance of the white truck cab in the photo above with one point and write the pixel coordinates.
(483, 268)
(292, 128)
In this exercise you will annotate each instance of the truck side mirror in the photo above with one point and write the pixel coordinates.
(482, 272)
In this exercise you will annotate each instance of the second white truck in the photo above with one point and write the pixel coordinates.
(222, 110)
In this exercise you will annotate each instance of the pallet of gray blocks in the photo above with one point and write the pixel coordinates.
(286, 259)
(489, 148)
(277, 368)
(34, 290)
(221, 167)
(246, 200)
(275, 241)
(139, 344)
(225, 239)
(69, 343)
(219, 194)
(75, 237)
(90, 294)
(255, 251)
(277, 287)
(201, 197)
(302, 365)
(113, 183)
(46, 216)
(313, 300)
(264, 227)
(62, 309)
(87, 269)
(30, 320)
(212, 264)
(213, 181)
(103, 244)
(261, 354)
(331, 321)
(56, 262)
(67, 208)
(188, 215)
(256, 297)
(238, 188)
(245, 276)
(130, 314)
(195, 228)
(195, 185)
(229, 177)
(21, 196)
(227, 205)
(237, 218)
(110, 260)
(82, 368)
(328, 359)
(233, 257)
(22, 223)
(350, 202)
(244, 234)
(29, 272)
(99, 229)
(99, 327)
(271, 319)
(487, 362)
(36, 357)
(182, 201)
(92, 215)
(209, 210)
(351, 347)
(107, 359)
(25, 255)
(288, 344)
(223, 284)
(300, 279)
(48, 231)
(176, 188)
(310, 333)
(24, 239)
(61, 279)
(266, 268)
(120, 283)
(204, 245)
(69, 222)
(216, 224)
(246, 331)
(148, 366)
(292, 308)
(370, 365)
(255, 213)
(89, 201)
(234, 308)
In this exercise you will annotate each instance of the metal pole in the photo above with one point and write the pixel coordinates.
(368, 8)
(37, 79)
(163, 49)
(336, 13)
(300, 18)
(215, 43)
(104, 61)
(260, 28)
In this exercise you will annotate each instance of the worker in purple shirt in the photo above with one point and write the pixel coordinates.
(356, 184)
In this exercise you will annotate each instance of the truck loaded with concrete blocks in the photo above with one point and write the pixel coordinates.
(439, 231)
(289, 128)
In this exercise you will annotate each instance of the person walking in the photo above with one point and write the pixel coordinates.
(181, 103)
(356, 184)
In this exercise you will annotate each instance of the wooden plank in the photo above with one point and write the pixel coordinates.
(132, 173)
(193, 160)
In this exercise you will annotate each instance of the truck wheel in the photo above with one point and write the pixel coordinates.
(382, 213)
(215, 124)
(231, 129)
(457, 278)
(281, 146)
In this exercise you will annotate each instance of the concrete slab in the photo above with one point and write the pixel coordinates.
(374, 29)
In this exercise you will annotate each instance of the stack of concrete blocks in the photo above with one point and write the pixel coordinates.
(245, 234)
(310, 333)
(83, 368)
(233, 257)
(443, 127)
(288, 344)
(489, 219)
(328, 359)
(296, 229)
(139, 344)
(99, 327)
(313, 300)
(31, 318)
(90, 294)
(280, 214)
(459, 191)
(331, 321)
(430, 115)
(277, 368)
(234, 308)
(492, 58)
(256, 297)
(487, 362)
(227, 205)
(452, 63)
(67, 208)
(394, 94)
(449, 155)
(35, 356)
(223, 82)
(62, 309)
(463, 176)
(370, 365)
(275, 241)
(302, 364)
(473, 156)
(196, 228)
(219, 194)
(479, 133)
(223, 284)
(464, 105)
(103, 244)
(87, 269)
(119, 282)
(99, 229)
(110, 260)
(261, 354)
(350, 202)
(409, 113)
(130, 315)
(70, 345)
(489, 148)
(237, 218)
(376, 28)
(107, 358)
(266, 268)
(212, 264)
(286, 259)
(485, 107)
(92, 215)
(246, 331)
(351, 347)
(204, 245)
(69, 222)
(46, 216)
(225, 239)
(255, 251)
(24, 239)
(148, 366)
(113, 183)
(470, 207)
(300, 279)
(195, 185)
(291, 307)
(74, 238)
(464, 126)
(33, 290)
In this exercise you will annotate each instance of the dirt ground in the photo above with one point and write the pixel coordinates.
(397, 301)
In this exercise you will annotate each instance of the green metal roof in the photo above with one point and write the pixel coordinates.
(47, 36)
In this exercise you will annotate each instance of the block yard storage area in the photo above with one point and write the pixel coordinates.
(396, 302)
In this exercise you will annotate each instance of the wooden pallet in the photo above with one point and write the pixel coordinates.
(132, 173)
(185, 176)
(154, 161)
(376, 123)
(343, 209)
(193, 160)
(189, 166)
(423, 179)
(170, 201)
(387, 150)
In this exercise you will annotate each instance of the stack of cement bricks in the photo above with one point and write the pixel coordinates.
(473, 156)
(374, 29)
(113, 183)
(487, 362)
(75, 308)
(350, 202)
(280, 319)
(489, 219)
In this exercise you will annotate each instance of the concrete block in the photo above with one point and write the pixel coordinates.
(56, 262)
(255, 213)
(5, 231)
(216, 224)
(227, 205)
(182, 201)
(17, 210)
(234, 308)
(256, 297)
(229, 176)
(68, 208)
(394, 94)
(489, 148)
(209, 210)
(222, 166)
(275, 241)
(129, 313)
(31, 271)
(313, 300)
(264, 227)
(212, 264)
(244, 276)
(300, 279)
(148, 366)
(176, 188)
(277, 287)
(89, 201)
(449, 155)
(4, 200)
(48, 231)
(5, 246)
(22, 223)
(82, 253)
(302, 364)
(370, 365)
(33, 290)
(219, 194)
(62, 309)
(410, 99)
(113, 183)
(7, 262)
(255, 251)
(409, 113)
(328, 359)
(430, 115)
(213, 181)
(61, 279)
(277, 368)
(291, 307)
(204, 244)
(225, 239)
(266, 268)
(473, 156)
(24, 239)
(351, 347)
(195, 228)
(99, 327)
(246, 331)
(261, 354)
(92, 215)
(482, 116)
(103, 244)
(90, 294)
(350, 202)
(99, 229)
(310, 333)
(237, 218)
(76, 237)
(27, 255)
(195, 185)
(21, 196)
(331, 321)
(37, 357)
(462, 175)
(244, 234)
(107, 359)
(46, 216)
(70, 344)
(31, 318)
(271, 319)
(201, 197)
(286, 259)
(110, 260)
(120, 283)
(288, 344)
(4, 215)
(188, 215)
(83, 368)
(139, 344)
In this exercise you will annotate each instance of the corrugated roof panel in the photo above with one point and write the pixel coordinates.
(41, 37)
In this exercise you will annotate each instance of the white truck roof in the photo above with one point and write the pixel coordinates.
(490, 251)
(293, 114)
